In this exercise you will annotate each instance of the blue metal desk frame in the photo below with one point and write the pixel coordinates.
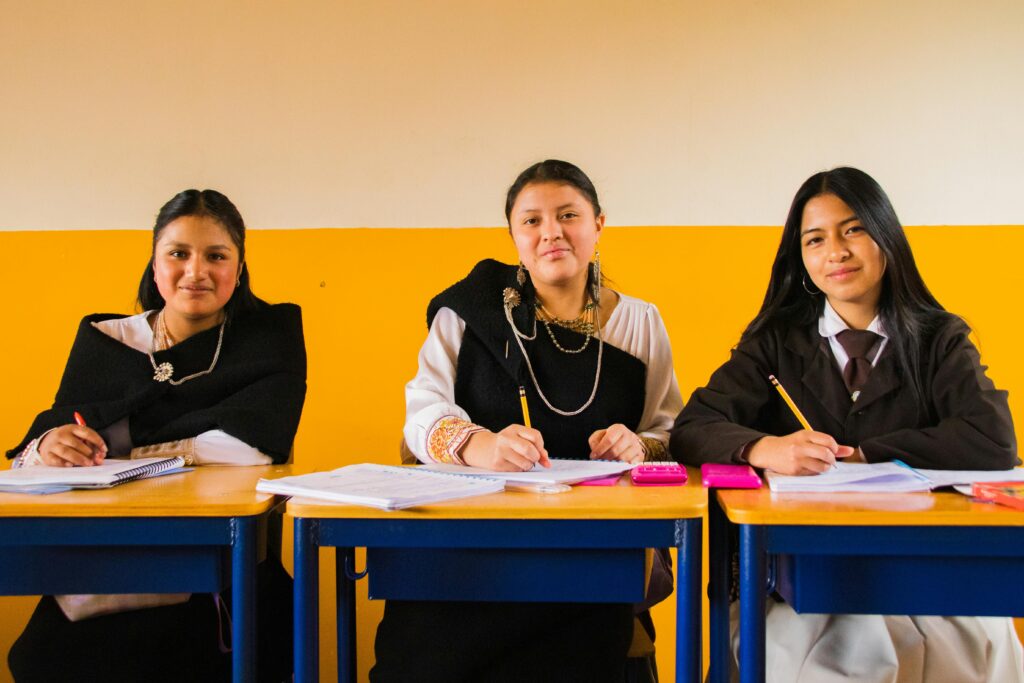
(347, 534)
(136, 555)
(856, 570)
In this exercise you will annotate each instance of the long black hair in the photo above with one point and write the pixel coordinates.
(906, 306)
(208, 204)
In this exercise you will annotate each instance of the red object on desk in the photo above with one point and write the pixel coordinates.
(1009, 493)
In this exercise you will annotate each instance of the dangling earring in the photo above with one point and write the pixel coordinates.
(238, 282)
(521, 275)
(595, 272)
(807, 289)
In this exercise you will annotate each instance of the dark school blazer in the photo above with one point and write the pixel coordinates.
(961, 422)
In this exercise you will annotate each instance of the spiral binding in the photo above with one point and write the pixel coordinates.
(149, 470)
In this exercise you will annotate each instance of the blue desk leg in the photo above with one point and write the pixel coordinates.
(688, 602)
(719, 578)
(307, 608)
(753, 586)
(346, 611)
(243, 600)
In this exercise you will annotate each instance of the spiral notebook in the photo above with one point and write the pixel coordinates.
(381, 486)
(45, 479)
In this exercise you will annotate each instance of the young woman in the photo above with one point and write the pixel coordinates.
(881, 371)
(207, 371)
(597, 370)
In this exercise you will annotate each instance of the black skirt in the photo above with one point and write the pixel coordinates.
(172, 643)
(497, 641)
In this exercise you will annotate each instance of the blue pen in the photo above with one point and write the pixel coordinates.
(916, 473)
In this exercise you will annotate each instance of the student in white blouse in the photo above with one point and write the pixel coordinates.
(596, 369)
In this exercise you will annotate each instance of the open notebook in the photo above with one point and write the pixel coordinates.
(884, 477)
(45, 479)
(381, 486)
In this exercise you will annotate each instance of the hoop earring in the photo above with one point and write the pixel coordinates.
(803, 281)
(595, 272)
(521, 274)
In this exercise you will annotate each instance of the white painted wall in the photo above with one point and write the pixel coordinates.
(381, 113)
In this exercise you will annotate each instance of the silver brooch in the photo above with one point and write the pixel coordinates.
(163, 372)
(510, 297)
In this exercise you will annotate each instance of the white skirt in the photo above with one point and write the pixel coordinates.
(871, 648)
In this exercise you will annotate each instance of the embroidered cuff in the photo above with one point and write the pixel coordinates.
(186, 448)
(29, 456)
(447, 436)
(654, 449)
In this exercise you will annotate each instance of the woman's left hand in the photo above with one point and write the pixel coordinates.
(616, 443)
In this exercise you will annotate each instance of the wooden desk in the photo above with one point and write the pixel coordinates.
(192, 532)
(850, 553)
(538, 532)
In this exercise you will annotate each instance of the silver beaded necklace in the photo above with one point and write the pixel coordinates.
(510, 300)
(164, 371)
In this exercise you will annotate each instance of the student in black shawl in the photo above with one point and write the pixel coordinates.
(207, 371)
(597, 371)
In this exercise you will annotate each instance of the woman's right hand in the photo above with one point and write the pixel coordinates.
(803, 452)
(515, 448)
(71, 445)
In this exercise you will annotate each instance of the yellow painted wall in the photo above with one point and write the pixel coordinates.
(364, 293)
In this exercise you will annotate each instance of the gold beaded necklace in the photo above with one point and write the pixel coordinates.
(583, 324)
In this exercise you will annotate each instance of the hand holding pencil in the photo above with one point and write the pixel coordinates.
(802, 452)
(72, 445)
(516, 448)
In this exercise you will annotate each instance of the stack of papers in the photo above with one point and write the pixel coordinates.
(884, 477)
(382, 486)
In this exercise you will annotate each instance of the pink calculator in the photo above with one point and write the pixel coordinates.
(729, 476)
(658, 474)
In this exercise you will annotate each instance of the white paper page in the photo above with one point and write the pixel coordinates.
(854, 477)
(560, 472)
(951, 477)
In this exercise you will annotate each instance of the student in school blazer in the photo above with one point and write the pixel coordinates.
(960, 422)
(914, 389)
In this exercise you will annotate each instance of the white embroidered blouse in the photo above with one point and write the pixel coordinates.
(635, 327)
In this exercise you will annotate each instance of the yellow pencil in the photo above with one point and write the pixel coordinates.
(526, 409)
(789, 402)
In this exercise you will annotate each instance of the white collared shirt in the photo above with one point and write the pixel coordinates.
(830, 325)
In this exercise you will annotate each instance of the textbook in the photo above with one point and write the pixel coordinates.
(560, 472)
(884, 477)
(1008, 493)
(46, 479)
(382, 486)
